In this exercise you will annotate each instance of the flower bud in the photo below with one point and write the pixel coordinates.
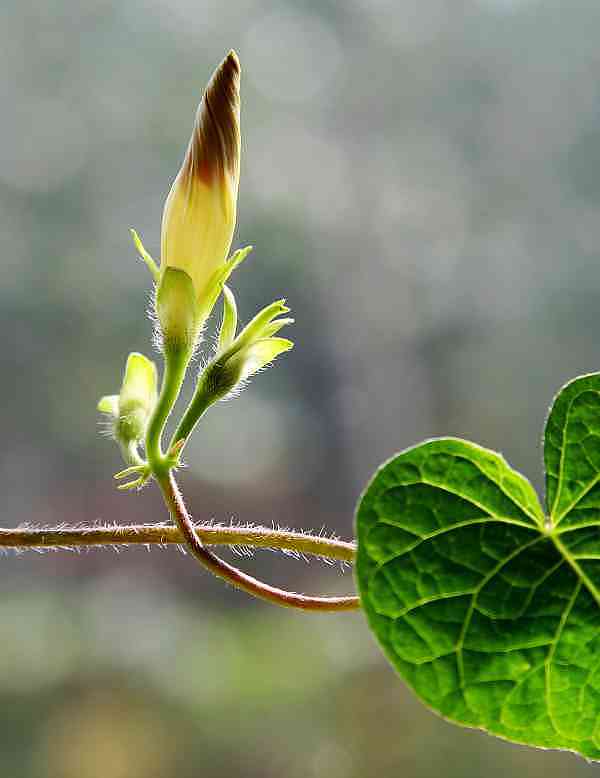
(238, 358)
(130, 410)
(256, 356)
(200, 210)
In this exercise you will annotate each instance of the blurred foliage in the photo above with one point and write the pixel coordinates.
(419, 180)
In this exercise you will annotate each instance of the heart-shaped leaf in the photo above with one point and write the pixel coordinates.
(488, 609)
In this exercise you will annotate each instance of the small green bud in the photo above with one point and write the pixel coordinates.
(218, 380)
(254, 348)
(226, 373)
(138, 396)
(130, 410)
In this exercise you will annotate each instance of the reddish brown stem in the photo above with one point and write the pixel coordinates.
(238, 578)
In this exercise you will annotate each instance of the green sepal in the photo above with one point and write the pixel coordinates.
(256, 356)
(214, 287)
(109, 404)
(146, 258)
(177, 310)
(274, 327)
(229, 322)
(142, 471)
(255, 329)
(236, 259)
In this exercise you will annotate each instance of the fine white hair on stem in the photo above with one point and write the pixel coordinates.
(298, 544)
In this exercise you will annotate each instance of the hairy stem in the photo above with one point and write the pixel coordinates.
(237, 578)
(166, 534)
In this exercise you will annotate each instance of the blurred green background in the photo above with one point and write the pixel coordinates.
(421, 180)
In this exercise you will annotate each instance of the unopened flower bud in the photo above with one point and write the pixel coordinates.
(238, 358)
(130, 410)
(200, 211)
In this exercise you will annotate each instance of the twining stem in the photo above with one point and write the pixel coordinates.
(220, 568)
(163, 534)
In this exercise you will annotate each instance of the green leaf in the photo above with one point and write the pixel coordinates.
(486, 608)
(572, 453)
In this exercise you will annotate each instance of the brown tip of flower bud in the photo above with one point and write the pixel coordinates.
(214, 148)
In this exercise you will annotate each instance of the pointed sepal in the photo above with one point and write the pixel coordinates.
(145, 256)
(229, 322)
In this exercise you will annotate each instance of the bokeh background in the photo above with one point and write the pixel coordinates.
(421, 180)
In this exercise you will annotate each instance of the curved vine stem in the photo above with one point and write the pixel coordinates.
(238, 578)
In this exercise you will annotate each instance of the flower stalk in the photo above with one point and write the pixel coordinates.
(176, 360)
